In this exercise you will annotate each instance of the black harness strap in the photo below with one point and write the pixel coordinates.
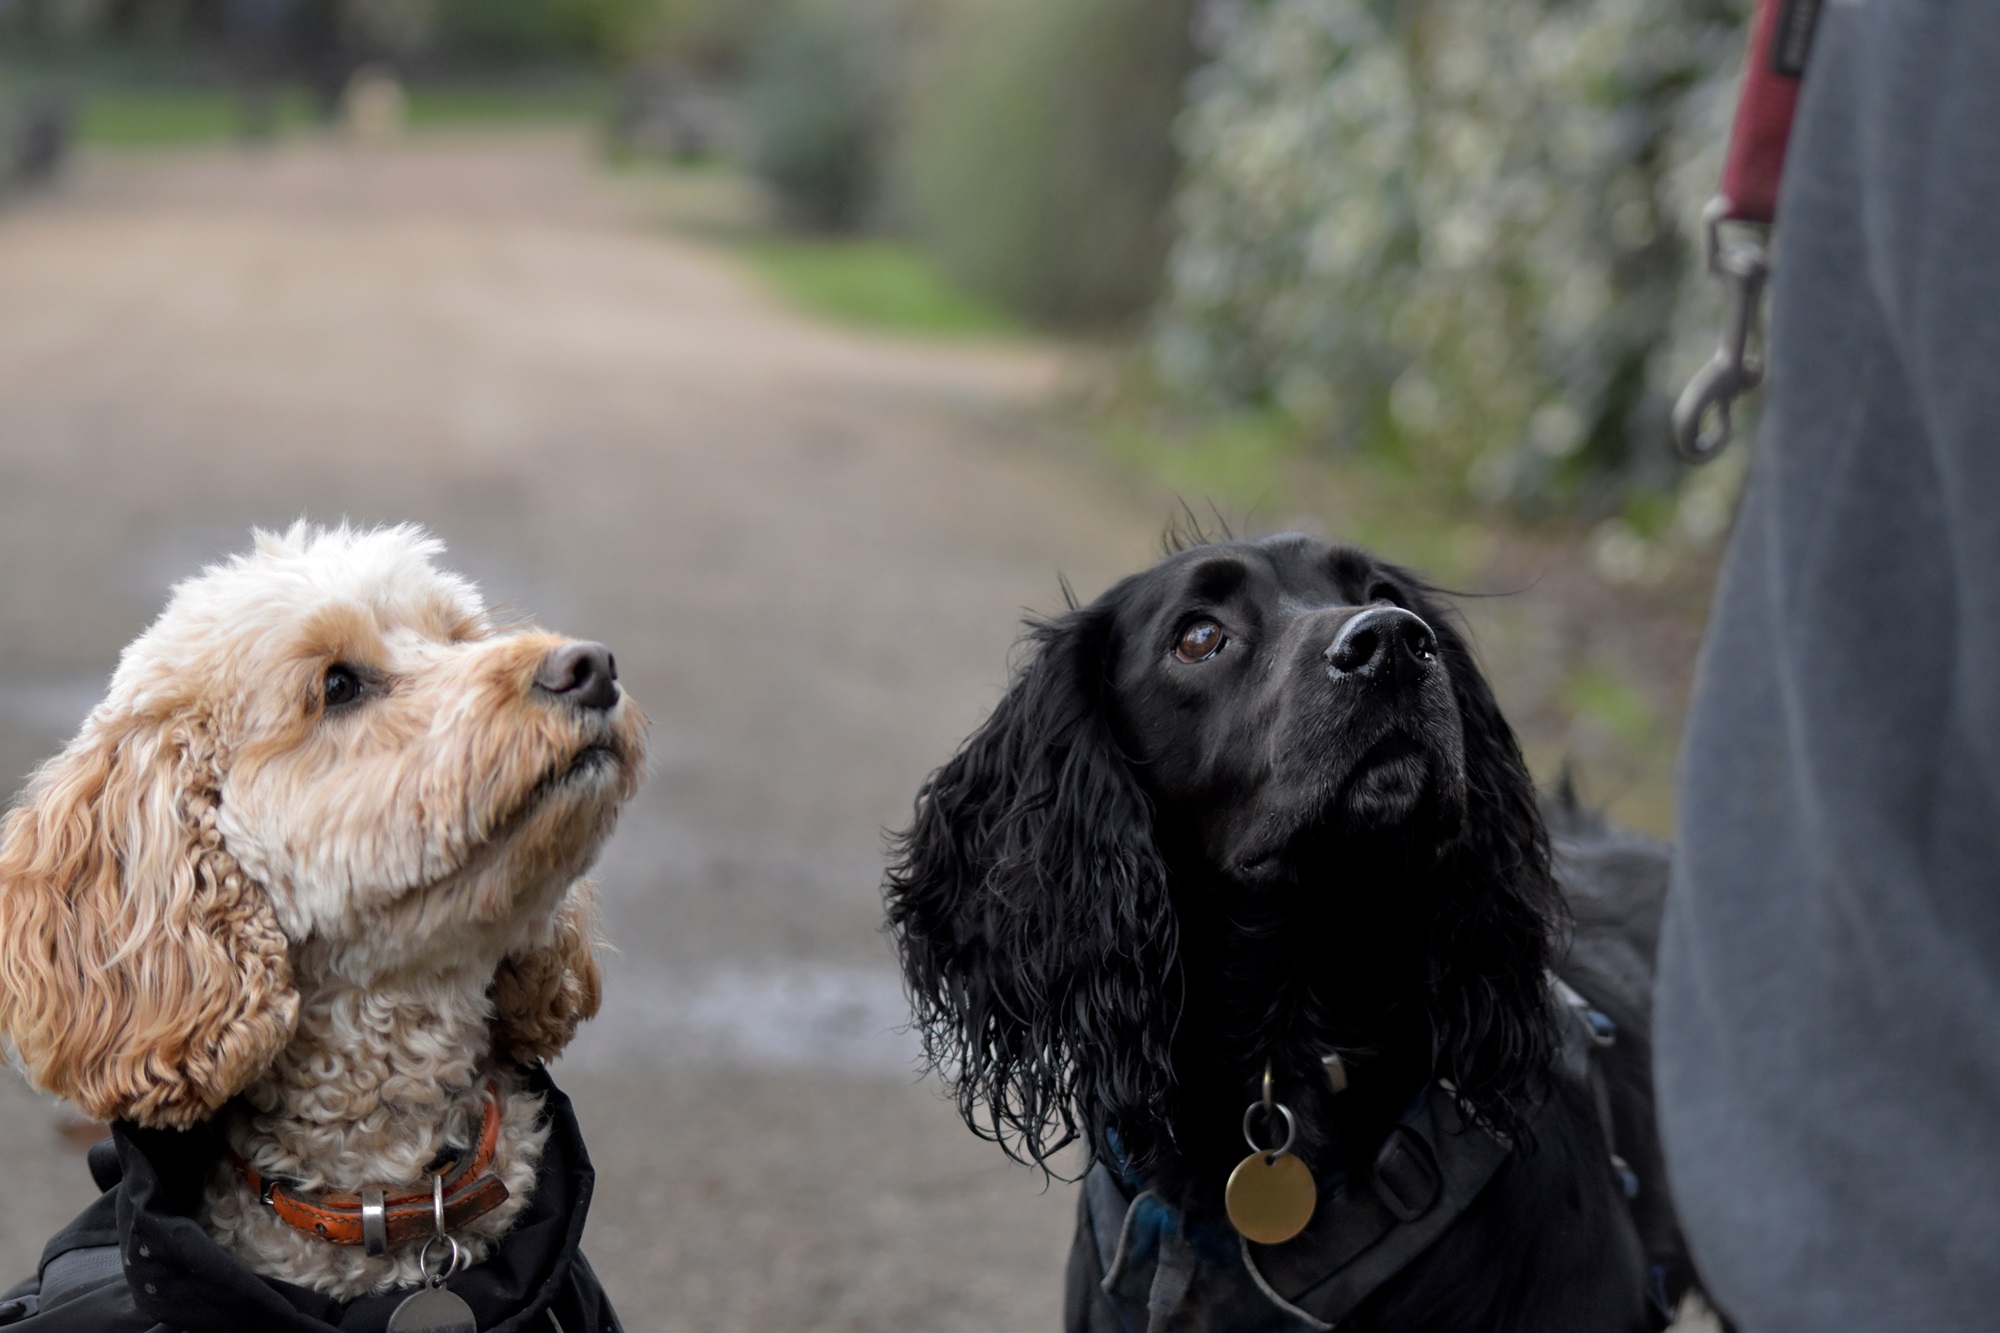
(1589, 1032)
(1159, 1273)
(1428, 1172)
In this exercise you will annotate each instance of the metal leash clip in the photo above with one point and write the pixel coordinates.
(1701, 425)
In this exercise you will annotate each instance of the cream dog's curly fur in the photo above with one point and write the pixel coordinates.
(324, 927)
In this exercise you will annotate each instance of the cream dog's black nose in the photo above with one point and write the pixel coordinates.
(585, 674)
(1383, 640)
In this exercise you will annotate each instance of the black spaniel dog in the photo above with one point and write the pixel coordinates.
(1248, 854)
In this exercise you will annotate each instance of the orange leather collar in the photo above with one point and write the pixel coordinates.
(337, 1216)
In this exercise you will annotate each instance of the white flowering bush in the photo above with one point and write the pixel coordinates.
(1465, 231)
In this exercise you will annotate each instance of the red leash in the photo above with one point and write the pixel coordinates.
(1780, 40)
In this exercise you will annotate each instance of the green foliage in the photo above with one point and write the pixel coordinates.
(1037, 159)
(817, 101)
(1612, 702)
(170, 117)
(713, 36)
(609, 30)
(877, 284)
(711, 33)
(1458, 233)
(510, 27)
(704, 34)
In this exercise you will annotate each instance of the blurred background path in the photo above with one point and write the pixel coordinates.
(809, 551)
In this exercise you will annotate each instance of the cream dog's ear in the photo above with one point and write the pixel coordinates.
(541, 995)
(143, 975)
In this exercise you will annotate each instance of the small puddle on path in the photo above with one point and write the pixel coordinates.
(777, 1014)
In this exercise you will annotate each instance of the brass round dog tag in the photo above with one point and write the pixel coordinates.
(1270, 1199)
(433, 1310)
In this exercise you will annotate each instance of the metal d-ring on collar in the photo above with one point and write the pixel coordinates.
(457, 1255)
(1267, 1105)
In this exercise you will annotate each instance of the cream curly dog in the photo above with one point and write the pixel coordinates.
(311, 870)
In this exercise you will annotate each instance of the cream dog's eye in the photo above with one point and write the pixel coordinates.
(342, 685)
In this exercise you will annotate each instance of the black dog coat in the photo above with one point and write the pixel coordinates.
(137, 1261)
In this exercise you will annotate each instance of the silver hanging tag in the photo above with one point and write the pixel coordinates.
(433, 1310)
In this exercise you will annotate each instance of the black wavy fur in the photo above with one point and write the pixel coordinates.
(1040, 942)
(1083, 964)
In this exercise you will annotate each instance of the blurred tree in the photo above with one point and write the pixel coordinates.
(1037, 158)
(1462, 232)
(818, 101)
(713, 37)
(611, 31)
(705, 33)
(391, 27)
(81, 20)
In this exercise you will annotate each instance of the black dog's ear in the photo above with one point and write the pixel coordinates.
(1493, 1019)
(1030, 908)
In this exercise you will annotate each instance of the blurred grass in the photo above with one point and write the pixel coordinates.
(879, 284)
(876, 284)
(1239, 461)
(176, 117)
(170, 116)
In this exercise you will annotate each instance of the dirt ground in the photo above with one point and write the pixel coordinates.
(809, 549)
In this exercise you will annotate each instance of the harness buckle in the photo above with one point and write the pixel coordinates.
(1406, 1176)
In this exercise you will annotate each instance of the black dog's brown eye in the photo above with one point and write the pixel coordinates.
(1200, 641)
(341, 686)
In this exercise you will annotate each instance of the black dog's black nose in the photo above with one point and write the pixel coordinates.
(586, 674)
(1383, 640)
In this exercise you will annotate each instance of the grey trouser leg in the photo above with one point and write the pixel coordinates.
(1829, 1006)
